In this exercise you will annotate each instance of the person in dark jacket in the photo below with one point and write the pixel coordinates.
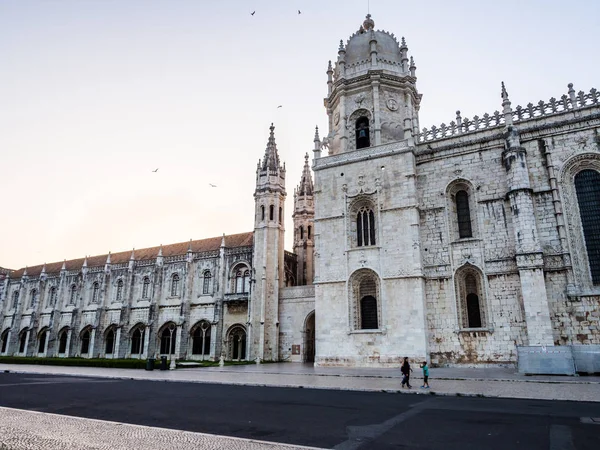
(406, 370)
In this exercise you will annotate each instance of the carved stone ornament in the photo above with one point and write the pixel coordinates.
(392, 104)
(359, 99)
(336, 118)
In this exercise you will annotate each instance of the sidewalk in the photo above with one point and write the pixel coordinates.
(485, 382)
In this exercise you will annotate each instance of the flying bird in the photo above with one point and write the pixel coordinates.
(252, 13)
(155, 170)
(280, 106)
(299, 12)
(212, 185)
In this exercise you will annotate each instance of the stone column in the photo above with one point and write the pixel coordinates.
(117, 343)
(26, 341)
(376, 112)
(529, 254)
(146, 342)
(92, 342)
(68, 349)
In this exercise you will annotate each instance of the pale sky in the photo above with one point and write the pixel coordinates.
(95, 94)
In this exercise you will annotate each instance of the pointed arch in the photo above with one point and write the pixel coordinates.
(167, 335)
(461, 205)
(63, 338)
(4, 338)
(470, 297)
(137, 339)
(42, 340)
(236, 343)
(85, 338)
(201, 336)
(364, 292)
(110, 340)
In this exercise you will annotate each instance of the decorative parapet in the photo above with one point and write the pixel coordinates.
(360, 155)
(520, 114)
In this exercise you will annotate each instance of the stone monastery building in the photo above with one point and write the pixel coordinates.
(455, 243)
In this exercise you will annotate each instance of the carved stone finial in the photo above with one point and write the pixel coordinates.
(341, 49)
(403, 42)
(504, 92)
(329, 67)
(368, 24)
(317, 138)
(506, 109)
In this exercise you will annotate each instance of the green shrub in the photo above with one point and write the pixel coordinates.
(80, 362)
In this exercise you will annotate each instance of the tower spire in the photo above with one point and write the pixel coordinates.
(271, 160)
(306, 183)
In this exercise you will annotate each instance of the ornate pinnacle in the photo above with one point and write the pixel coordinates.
(504, 93)
(316, 136)
(341, 49)
(403, 42)
(329, 67)
(132, 257)
(506, 109)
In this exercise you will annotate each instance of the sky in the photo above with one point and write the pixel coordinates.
(96, 94)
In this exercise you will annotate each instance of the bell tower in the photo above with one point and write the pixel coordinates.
(268, 263)
(372, 97)
(304, 217)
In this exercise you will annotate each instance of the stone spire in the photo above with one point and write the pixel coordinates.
(107, 263)
(306, 183)
(271, 159)
(506, 109)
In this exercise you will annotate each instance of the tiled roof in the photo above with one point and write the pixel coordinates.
(181, 248)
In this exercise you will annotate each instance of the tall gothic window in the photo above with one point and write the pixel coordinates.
(62, 340)
(364, 291)
(145, 287)
(201, 339)
(109, 342)
(271, 212)
(463, 214)
(365, 227)
(309, 230)
(85, 341)
(469, 292)
(168, 338)
(587, 186)
(119, 296)
(42, 340)
(137, 341)
(72, 294)
(34, 294)
(175, 285)
(95, 292)
(242, 280)
(206, 282)
(262, 212)
(4, 339)
(236, 341)
(23, 340)
(362, 133)
(301, 232)
(52, 296)
(15, 299)
(280, 214)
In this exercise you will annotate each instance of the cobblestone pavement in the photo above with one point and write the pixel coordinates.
(29, 430)
(481, 382)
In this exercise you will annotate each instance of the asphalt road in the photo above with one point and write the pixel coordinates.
(320, 418)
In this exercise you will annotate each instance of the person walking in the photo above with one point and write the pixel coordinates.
(425, 368)
(406, 370)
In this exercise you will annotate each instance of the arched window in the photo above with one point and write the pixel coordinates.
(587, 187)
(33, 301)
(242, 280)
(236, 341)
(109, 342)
(364, 291)
(206, 282)
(137, 341)
(368, 313)
(470, 297)
(4, 341)
(280, 214)
(271, 212)
(23, 340)
(262, 212)
(15, 299)
(301, 232)
(72, 294)
(365, 227)
(145, 287)
(95, 292)
(119, 295)
(463, 214)
(362, 133)
(201, 339)
(52, 297)
(309, 230)
(62, 340)
(85, 341)
(42, 340)
(175, 285)
(168, 338)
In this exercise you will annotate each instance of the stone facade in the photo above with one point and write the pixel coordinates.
(454, 244)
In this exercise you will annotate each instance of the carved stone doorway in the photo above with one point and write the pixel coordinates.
(309, 338)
